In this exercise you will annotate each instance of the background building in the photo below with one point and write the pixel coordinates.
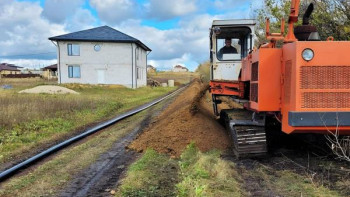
(101, 55)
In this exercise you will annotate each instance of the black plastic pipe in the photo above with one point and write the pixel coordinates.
(7, 173)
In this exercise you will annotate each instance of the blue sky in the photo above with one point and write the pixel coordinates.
(176, 31)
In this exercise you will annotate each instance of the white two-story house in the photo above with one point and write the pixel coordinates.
(101, 55)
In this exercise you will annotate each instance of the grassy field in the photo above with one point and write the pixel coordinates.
(28, 121)
(179, 77)
(52, 176)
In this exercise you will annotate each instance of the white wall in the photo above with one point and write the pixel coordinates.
(113, 62)
(141, 66)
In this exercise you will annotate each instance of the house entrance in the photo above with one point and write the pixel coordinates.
(101, 76)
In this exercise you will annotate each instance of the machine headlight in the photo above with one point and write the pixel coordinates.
(307, 54)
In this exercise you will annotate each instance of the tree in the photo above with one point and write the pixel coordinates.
(331, 17)
(275, 10)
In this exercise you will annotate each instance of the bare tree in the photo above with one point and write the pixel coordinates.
(340, 145)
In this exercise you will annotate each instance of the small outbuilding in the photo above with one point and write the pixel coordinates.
(8, 69)
(179, 68)
(101, 55)
(50, 72)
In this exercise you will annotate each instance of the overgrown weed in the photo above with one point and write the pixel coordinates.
(31, 120)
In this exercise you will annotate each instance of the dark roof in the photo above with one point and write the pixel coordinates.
(179, 66)
(51, 67)
(11, 65)
(6, 67)
(100, 34)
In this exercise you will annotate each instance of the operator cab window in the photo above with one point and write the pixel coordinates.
(233, 43)
(228, 49)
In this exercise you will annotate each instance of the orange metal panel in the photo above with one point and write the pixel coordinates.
(266, 79)
(246, 68)
(231, 88)
(319, 85)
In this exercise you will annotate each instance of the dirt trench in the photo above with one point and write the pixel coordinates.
(188, 119)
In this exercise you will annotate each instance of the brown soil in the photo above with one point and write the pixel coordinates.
(178, 126)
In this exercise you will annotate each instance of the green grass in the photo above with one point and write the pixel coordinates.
(152, 175)
(28, 121)
(206, 174)
(194, 174)
(178, 77)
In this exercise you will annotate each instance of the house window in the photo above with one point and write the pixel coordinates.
(137, 53)
(73, 49)
(74, 71)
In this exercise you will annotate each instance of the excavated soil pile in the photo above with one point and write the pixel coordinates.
(178, 126)
(49, 89)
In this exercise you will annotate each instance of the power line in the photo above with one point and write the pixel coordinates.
(17, 55)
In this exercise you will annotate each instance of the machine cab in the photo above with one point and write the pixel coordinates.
(230, 42)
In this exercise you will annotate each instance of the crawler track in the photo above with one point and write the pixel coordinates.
(11, 171)
(249, 137)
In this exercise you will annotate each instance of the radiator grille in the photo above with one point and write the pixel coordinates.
(254, 92)
(255, 71)
(325, 100)
(325, 77)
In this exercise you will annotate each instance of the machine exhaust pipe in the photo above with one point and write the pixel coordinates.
(307, 14)
(307, 32)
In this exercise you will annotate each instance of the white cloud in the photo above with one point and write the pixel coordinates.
(58, 10)
(168, 64)
(23, 31)
(190, 39)
(163, 10)
(82, 19)
(173, 43)
(114, 11)
(187, 44)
